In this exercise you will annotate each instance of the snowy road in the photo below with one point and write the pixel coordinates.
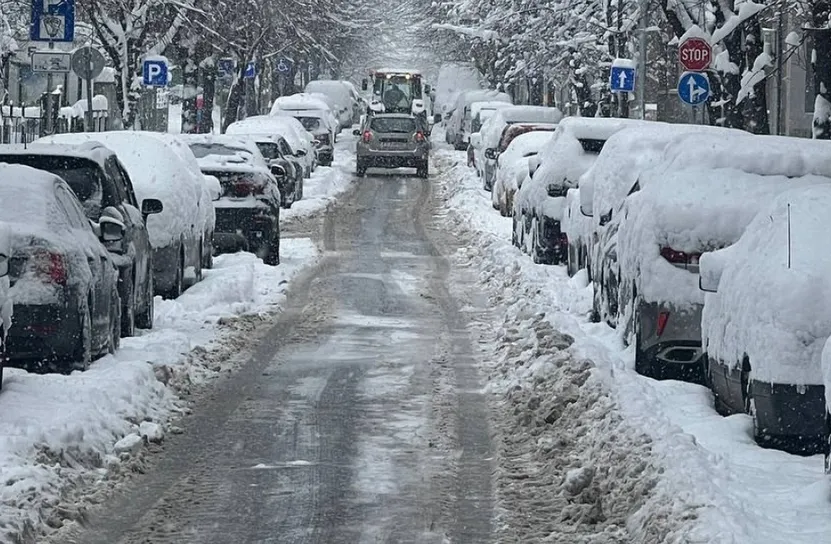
(359, 416)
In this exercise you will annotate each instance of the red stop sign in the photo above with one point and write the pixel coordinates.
(695, 54)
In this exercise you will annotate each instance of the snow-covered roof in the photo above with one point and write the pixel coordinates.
(530, 114)
(487, 105)
(337, 90)
(694, 211)
(157, 170)
(25, 194)
(285, 125)
(466, 98)
(299, 101)
(94, 151)
(513, 162)
(396, 71)
(774, 298)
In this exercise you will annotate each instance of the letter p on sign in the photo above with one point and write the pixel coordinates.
(154, 73)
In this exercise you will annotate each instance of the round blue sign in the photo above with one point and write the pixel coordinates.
(693, 88)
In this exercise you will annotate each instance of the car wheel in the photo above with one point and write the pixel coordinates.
(82, 356)
(208, 254)
(300, 190)
(114, 341)
(424, 170)
(530, 239)
(642, 365)
(128, 307)
(360, 170)
(178, 283)
(272, 257)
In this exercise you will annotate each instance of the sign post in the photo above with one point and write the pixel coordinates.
(88, 63)
(52, 21)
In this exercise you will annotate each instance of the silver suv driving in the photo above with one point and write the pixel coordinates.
(393, 140)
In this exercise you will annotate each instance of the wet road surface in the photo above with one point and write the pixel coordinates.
(359, 417)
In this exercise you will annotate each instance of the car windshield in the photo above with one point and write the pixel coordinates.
(270, 150)
(402, 125)
(310, 123)
(202, 150)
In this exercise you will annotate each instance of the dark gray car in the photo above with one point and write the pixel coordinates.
(393, 141)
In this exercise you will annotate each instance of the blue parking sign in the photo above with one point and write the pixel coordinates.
(154, 73)
(250, 71)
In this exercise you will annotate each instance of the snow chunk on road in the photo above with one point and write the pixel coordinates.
(130, 444)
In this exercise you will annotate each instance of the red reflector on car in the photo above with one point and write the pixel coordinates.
(663, 317)
(419, 136)
(50, 266)
(367, 136)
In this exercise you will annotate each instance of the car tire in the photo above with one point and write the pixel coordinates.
(208, 254)
(423, 171)
(82, 355)
(145, 318)
(128, 307)
(642, 365)
(272, 256)
(178, 283)
(360, 170)
(114, 341)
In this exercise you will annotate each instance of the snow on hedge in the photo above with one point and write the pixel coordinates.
(774, 298)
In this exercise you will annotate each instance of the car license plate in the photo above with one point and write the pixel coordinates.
(393, 145)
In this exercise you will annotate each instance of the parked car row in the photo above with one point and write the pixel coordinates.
(706, 250)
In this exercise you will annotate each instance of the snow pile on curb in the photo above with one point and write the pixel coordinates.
(712, 483)
(58, 432)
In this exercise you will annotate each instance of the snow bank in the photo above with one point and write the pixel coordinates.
(692, 211)
(774, 299)
(157, 171)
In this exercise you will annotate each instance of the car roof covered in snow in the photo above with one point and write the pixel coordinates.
(695, 210)
(157, 170)
(465, 98)
(94, 151)
(282, 122)
(299, 101)
(492, 105)
(774, 297)
(530, 114)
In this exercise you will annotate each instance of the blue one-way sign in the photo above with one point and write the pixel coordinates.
(693, 88)
(154, 73)
(622, 79)
(53, 21)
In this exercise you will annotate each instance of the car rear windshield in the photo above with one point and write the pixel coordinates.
(83, 175)
(270, 150)
(202, 150)
(229, 180)
(393, 124)
(310, 123)
(592, 145)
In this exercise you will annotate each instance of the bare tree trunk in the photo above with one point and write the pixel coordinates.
(821, 58)
(755, 106)
(206, 126)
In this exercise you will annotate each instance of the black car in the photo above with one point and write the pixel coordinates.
(102, 185)
(64, 282)
(276, 151)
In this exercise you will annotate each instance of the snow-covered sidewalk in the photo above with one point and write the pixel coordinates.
(61, 432)
(593, 451)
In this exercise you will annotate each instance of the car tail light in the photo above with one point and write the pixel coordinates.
(245, 187)
(419, 136)
(367, 136)
(680, 258)
(50, 266)
(663, 317)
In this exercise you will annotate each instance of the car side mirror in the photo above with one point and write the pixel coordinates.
(110, 229)
(4, 265)
(151, 206)
(711, 267)
(437, 118)
(364, 84)
(356, 132)
(278, 172)
(300, 153)
(214, 187)
(606, 218)
(490, 153)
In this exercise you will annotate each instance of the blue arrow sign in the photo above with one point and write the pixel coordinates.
(53, 21)
(622, 79)
(250, 71)
(154, 73)
(693, 88)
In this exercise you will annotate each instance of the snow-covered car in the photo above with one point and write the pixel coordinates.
(765, 326)
(358, 102)
(302, 142)
(540, 203)
(461, 116)
(501, 127)
(104, 187)
(675, 215)
(180, 234)
(316, 117)
(276, 151)
(6, 305)
(340, 95)
(453, 79)
(63, 281)
(248, 213)
(602, 190)
(512, 166)
(481, 112)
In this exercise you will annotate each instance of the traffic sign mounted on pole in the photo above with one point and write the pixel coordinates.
(250, 70)
(87, 62)
(695, 54)
(622, 76)
(693, 88)
(50, 62)
(283, 66)
(154, 73)
(52, 21)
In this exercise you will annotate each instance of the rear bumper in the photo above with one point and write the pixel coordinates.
(789, 417)
(40, 335)
(246, 229)
(392, 160)
(676, 352)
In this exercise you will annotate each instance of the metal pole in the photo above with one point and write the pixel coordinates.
(88, 55)
(640, 78)
(49, 82)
